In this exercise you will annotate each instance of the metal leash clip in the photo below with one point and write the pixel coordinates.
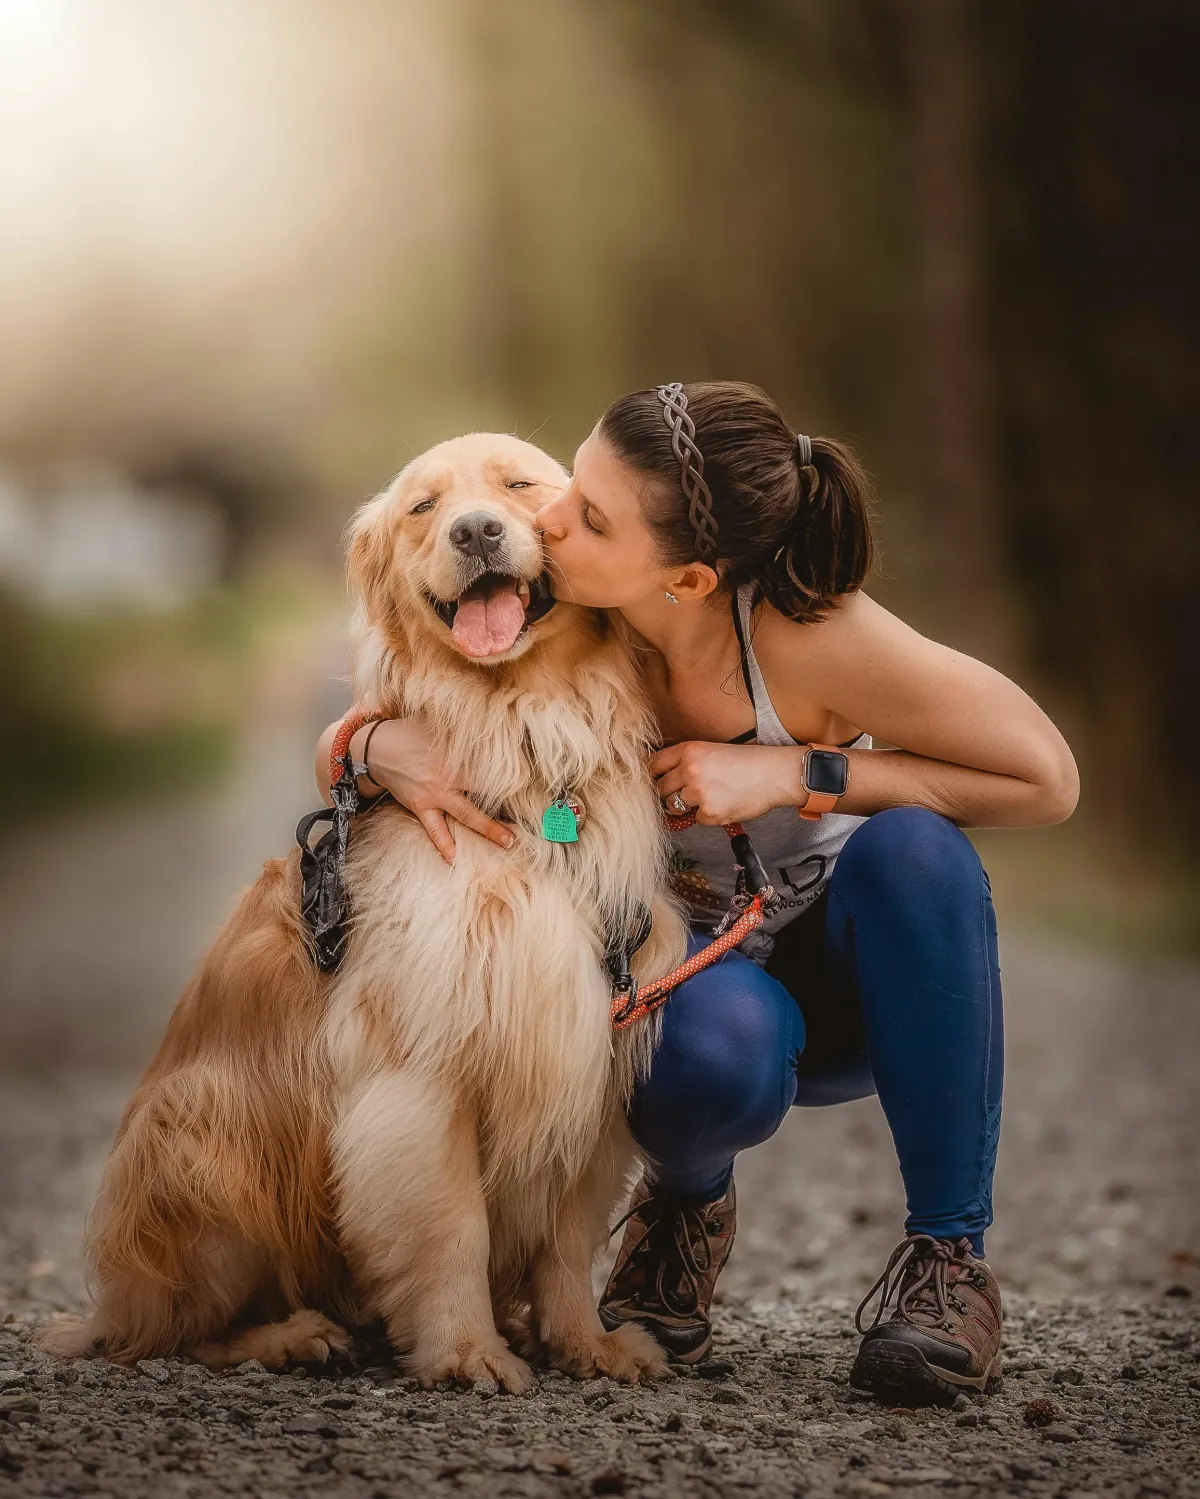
(616, 960)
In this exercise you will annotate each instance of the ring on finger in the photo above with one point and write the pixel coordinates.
(678, 804)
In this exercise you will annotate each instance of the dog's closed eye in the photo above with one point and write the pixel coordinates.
(423, 505)
(520, 484)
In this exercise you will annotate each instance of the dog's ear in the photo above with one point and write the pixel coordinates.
(375, 636)
(370, 552)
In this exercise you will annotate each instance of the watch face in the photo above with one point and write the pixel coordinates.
(826, 772)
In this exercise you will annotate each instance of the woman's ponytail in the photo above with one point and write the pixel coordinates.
(826, 549)
(783, 515)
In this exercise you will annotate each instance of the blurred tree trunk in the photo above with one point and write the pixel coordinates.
(962, 450)
(1095, 150)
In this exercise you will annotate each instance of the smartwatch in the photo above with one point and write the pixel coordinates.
(826, 776)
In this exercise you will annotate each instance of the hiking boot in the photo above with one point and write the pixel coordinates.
(667, 1269)
(944, 1335)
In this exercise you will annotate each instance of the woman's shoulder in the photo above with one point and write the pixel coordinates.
(854, 624)
(844, 664)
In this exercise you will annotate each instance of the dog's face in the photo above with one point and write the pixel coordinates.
(450, 548)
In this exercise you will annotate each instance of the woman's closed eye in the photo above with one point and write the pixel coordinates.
(585, 515)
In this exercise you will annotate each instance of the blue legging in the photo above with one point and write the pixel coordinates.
(891, 984)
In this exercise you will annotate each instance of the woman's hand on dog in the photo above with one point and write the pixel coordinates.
(404, 762)
(729, 782)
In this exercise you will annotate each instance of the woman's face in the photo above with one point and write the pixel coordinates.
(601, 553)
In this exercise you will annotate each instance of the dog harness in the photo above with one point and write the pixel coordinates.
(325, 908)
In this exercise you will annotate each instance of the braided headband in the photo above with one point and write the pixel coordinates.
(691, 466)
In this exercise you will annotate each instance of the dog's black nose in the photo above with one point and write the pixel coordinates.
(477, 534)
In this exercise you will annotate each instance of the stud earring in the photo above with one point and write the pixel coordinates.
(671, 599)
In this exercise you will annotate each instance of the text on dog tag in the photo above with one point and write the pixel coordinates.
(559, 823)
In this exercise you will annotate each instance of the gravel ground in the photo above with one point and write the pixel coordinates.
(1096, 1245)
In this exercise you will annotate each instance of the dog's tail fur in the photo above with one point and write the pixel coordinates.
(214, 1207)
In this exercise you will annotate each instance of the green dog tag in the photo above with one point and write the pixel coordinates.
(559, 823)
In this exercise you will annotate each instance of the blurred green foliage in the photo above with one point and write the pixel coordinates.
(124, 703)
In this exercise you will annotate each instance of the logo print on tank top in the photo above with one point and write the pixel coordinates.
(785, 877)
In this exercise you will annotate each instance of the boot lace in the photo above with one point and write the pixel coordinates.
(917, 1275)
(676, 1243)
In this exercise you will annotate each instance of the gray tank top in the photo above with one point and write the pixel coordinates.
(799, 856)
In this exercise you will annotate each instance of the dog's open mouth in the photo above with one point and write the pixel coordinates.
(487, 617)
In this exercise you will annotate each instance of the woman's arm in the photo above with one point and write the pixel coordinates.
(975, 747)
(404, 761)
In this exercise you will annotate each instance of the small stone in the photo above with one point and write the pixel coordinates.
(251, 1366)
(304, 1426)
(714, 1368)
(968, 1418)
(730, 1395)
(1178, 1289)
(155, 1369)
(609, 1481)
(674, 1421)
(961, 1403)
(1059, 1431)
(486, 1389)
(16, 1406)
(550, 1459)
(1133, 1371)
(1069, 1374)
(1023, 1470)
(1039, 1413)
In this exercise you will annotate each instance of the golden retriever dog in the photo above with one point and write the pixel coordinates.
(435, 1135)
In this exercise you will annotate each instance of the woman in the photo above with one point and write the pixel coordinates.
(734, 552)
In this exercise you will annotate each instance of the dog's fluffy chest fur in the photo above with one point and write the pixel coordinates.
(487, 974)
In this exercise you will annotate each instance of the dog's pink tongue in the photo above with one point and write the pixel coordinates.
(489, 626)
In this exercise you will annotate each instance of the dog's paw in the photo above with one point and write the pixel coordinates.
(305, 1338)
(629, 1354)
(308, 1338)
(517, 1331)
(470, 1362)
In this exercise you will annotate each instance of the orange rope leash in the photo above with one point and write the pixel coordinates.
(349, 726)
(651, 996)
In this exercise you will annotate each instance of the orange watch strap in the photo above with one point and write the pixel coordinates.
(819, 802)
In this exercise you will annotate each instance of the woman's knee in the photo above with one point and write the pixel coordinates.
(907, 854)
(730, 1041)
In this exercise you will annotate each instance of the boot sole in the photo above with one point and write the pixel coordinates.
(898, 1371)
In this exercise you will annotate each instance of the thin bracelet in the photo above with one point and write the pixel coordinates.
(367, 750)
(356, 719)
